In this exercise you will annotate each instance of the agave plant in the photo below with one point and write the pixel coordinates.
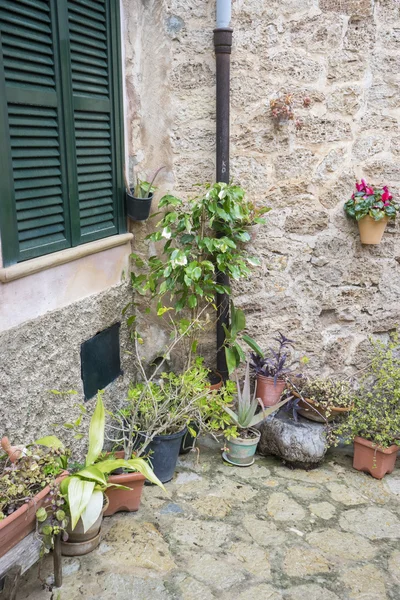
(247, 404)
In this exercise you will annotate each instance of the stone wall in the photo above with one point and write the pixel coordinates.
(317, 283)
(44, 354)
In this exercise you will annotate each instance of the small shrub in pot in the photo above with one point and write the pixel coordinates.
(271, 370)
(374, 421)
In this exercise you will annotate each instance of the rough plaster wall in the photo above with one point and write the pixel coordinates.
(44, 354)
(317, 283)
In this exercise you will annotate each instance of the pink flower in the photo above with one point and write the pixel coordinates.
(361, 186)
(369, 191)
(386, 196)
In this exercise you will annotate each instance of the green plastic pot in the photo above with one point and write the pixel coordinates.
(240, 451)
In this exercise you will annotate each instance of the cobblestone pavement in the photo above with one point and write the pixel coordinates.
(264, 532)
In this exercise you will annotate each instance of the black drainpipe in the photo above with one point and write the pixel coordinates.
(223, 46)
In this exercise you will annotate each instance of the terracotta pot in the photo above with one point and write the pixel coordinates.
(268, 391)
(320, 417)
(124, 500)
(22, 522)
(371, 231)
(218, 385)
(240, 451)
(372, 459)
(82, 542)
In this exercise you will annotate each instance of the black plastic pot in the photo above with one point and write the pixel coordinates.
(138, 209)
(163, 452)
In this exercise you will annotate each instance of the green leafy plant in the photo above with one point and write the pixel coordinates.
(375, 415)
(142, 188)
(83, 490)
(375, 202)
(327, 393)
(168, 405)
(234, 336)
(31, 473)
(247, 405)
(200, 238)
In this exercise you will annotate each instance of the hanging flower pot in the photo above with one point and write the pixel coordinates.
(372, 209)
(371, 231)
(138, 209)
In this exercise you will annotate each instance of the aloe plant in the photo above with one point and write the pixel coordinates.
(247, 405)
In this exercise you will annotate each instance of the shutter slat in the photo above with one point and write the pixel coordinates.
(26, 163)
(39, 182)
(94, 194)
(103, 220)
(23, 66)
(33, 132)
(82, 52)
(94, 20)
(89, 69)
(50, 201)
(99, 179)
(42, 5)
(91, 4)
(38, 193)
(32, 13)
(11, 42)
(40, 232)
(39, 212)
(91, 168)
(6, 17)
(30, 224)
(97, 202)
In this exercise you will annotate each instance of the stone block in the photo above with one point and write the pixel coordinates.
(306, 222)
(366, 146)
(352, 8)
(357, 29)
(292, 66)
(317, 130)
(190, 75)
(383, 171)
(302, 443)
(296, 164)
(346, 66)
(318, 33)
(346, 100)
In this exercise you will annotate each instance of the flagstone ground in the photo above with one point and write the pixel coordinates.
(264, 532)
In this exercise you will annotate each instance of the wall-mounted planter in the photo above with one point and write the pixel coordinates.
(138, 209)
(371, 231)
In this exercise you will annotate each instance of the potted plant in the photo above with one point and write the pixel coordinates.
(25, 480)
(374, 421)
(322, 400)
(372, 208)
(160, 411)
(83, 493)
(271, 370)
(240, 447)
(139, 198)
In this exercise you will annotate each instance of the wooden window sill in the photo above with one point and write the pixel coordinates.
(29, 267)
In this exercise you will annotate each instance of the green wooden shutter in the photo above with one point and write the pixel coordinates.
(33, 203)
(96, 140)
(61, 181)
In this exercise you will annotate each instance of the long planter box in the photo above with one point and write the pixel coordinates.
(22, 522)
